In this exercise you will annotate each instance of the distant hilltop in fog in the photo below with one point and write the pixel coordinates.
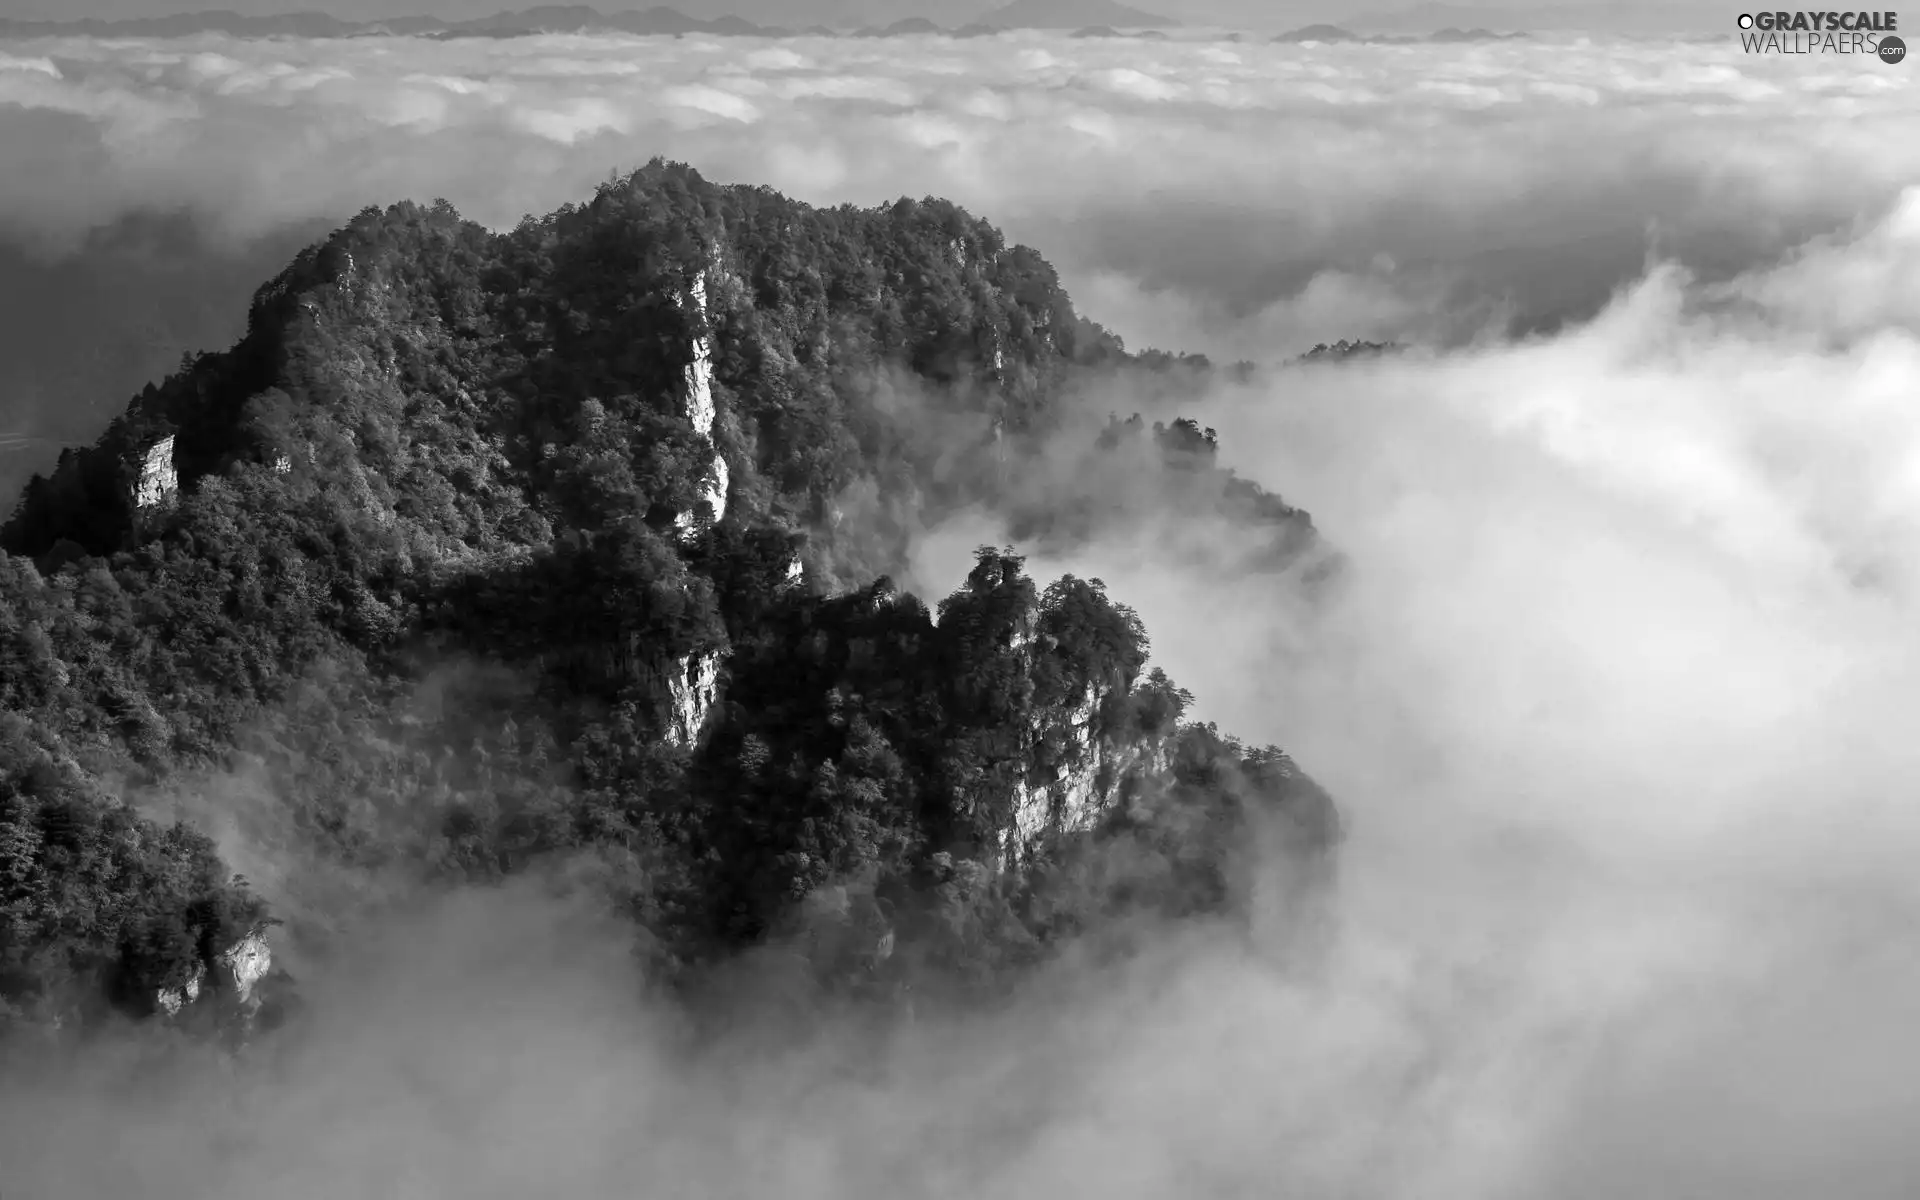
(580, 18)
(1108, 31)
(1634, 18)
(1073, 14)
(1335, 34)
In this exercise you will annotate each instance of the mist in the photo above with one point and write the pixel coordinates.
(1612, 690)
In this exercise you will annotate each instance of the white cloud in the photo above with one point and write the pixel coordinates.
(1512, 180)
(1617, 696)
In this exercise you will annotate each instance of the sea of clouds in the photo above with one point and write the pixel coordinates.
(1232, 198)
(1615, 692)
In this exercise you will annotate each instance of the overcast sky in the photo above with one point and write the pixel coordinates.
(1253, 14)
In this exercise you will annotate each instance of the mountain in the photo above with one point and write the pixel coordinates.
(905, 27)
(301, 24)
(1072, 14)
(1473, 35)
(481, 553)
(399, 27)
(1318, 33)
(582, 19)
(576, 19)
(1108, 31)
(1335, 34)
(1629, 17)
(658, 20)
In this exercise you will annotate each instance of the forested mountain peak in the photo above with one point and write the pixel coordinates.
(578, 540)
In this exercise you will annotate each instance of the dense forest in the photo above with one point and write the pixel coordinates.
(486, 551)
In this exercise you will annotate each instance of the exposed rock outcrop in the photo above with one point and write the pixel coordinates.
(1071, 793)
(692, 688)
(698, 383)
(716, 496)
(1065, 802)
(237, 973)
(155, 481)
(170, 1000)
(699, 372)
(244, 964)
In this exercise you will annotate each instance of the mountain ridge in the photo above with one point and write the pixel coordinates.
(486, 550)
(1336, 35)
(659, 20)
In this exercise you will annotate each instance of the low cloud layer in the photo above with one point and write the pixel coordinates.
(1615, 695)
(1235, 198)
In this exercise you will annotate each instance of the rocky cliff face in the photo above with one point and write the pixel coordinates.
(171, 1000)
(243, 965)
(692, 688)
(693, 684)
(1064, 796)
(1076, 773)
(700, 412)
(155, 481)
(236, 975)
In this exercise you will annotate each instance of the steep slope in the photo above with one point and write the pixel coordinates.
(487, 548)
(80, 333)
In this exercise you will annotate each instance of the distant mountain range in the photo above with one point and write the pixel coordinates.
(1073, 14)
(1629, 17)
(578, 18)
(1333, 33)
(1108, 31)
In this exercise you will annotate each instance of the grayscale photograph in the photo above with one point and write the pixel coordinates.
(957, 599)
